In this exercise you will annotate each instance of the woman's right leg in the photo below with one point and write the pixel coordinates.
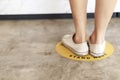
(78, 8)
(103, 13)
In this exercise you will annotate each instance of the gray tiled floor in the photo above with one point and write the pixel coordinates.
(27, 52)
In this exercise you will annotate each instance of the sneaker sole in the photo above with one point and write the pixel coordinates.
(76, 52)
(96, 55)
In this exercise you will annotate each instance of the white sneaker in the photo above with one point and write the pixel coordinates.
(80, 49)
(97, 50)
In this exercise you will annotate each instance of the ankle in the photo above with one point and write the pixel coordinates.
(94, 39)
(79, 39)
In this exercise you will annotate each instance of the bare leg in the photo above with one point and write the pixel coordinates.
(78, 8)
(103, 13)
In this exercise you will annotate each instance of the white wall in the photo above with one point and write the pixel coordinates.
(42, 6)
(91, 6)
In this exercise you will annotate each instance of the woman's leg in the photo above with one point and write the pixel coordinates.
(103, 13)
(78, 8)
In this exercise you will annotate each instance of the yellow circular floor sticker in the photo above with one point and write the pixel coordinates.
(65, 52)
